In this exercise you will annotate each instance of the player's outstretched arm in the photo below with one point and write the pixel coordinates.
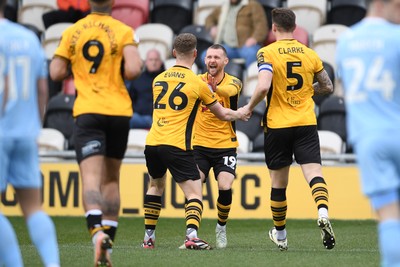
(227, 114)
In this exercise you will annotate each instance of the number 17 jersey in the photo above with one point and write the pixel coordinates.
(177, 93)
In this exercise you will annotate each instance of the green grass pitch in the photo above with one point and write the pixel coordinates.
(248, 244)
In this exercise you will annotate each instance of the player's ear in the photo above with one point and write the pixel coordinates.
(174, 53)
(226, 61)
(195, 53)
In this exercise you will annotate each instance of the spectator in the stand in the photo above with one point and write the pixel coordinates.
(68, 11)
(240, 26)
(141, 91)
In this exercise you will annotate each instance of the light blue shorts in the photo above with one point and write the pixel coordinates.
(378, 158)
(19, 163)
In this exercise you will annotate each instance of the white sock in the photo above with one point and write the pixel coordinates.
(149, 234)
(323, 212)
(281, 234)
(191, 233)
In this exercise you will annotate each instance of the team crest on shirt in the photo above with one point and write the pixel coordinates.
(260, 58)
(162, 122)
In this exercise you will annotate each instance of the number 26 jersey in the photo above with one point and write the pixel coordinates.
(177, 93)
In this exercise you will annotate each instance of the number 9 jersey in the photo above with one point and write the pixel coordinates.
(289, 100)
(94, 46)
(177, 93)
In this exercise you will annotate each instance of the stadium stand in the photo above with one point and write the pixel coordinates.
(137, 140)
(346, 12)
(31, 12)
(59, 116)
(268, 5)
(132, 13)
(52, 36)
(324, 42)
(155, 35)
(203, 9)
(250, 79)
(244, 142)
(252, 127)
(235, 69)
(330, 142)
(309, 14)
(204, 40)
(258, 143)
(174, 13)
(171, 62)
(51, 140)
(332, 116)
(300, 34)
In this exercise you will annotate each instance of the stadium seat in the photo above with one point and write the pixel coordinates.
(300, 34)
(244, 142)
(137, 140)
(346, 12)
(324, 42)
(31, 12)
(174, 13)
(250, 79)
(203, 9)
(155, 35)
(52, 37)
(132, 13)
(330, 142)
(332, 116)
(59, 116)
(235, 69)
(268, 5)
(258, 143)
(204, 40)
(51, 140)
(171, 62)
(309, 14)
(34, 29)
(252, 127)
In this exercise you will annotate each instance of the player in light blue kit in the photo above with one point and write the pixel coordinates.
(368, 60)
(23, 95)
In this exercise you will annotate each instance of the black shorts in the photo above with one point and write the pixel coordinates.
(97, 134)
(281, 144)
(179, 162)
(220, 159)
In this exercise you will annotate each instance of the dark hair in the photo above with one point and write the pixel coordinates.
(185, 43)
(218, 46)
(284, 19)
(2, 5)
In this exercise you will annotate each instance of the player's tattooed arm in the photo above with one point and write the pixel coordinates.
(324, 84)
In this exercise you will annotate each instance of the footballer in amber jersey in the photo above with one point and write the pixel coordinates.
(177, 93)
(97, 46)
(289, 101)
(209, 130)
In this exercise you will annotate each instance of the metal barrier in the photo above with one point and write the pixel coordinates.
(252, 157)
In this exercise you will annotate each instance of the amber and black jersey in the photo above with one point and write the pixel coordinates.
(210, 131)
(289, 101)
(94, 47)
(177, 93)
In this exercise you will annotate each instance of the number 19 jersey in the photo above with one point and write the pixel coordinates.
(177, 93)
(94, 46)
